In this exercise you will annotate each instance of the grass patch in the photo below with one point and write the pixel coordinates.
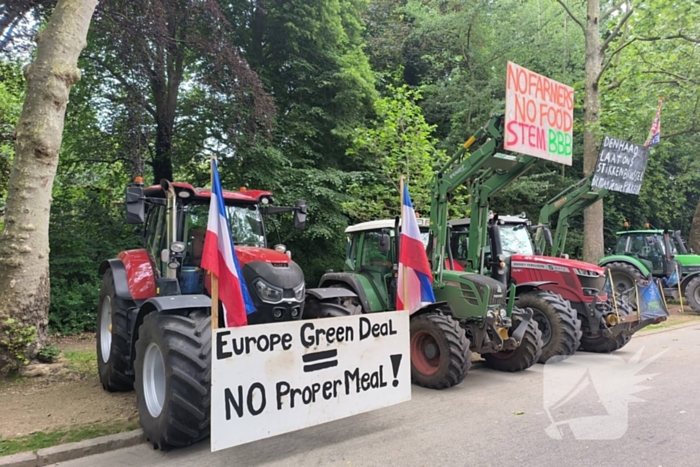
(73, 434)
(81, 361)
(673, 320)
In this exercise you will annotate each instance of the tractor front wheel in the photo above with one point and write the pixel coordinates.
(624, 276)
(692, 294)
(557, 320)
(440, 355)
(173, 377)
(602, 344)
(523, 357)
(112, 338)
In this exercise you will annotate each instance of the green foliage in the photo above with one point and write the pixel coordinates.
(11, 97)
(398, 143)
(48, 354)
(16, 339)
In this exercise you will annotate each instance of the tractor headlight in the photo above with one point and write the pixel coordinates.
(299, 292)
(268, 293)
(177, 247)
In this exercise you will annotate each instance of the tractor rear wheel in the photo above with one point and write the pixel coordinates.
(173, 377)
(556, 319)
(624, 276)
(527, 353)
(440, 355)
(692, 294)
(112, 338)
(602, 344)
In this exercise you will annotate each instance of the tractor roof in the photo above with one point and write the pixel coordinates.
(505, 219)
(382, 224)
(204, 194)
(648, 232)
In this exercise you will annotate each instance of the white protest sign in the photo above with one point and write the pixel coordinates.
(271, 379)
(539, 115)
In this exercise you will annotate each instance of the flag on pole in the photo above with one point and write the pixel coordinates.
(415, 277)
(219, 257)
(655, 132)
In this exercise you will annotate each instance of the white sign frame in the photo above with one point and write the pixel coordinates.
(331, 368)
(539, 116)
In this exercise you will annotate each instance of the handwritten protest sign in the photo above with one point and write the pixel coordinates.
(539, 115)
(620, 166)
(271, 379)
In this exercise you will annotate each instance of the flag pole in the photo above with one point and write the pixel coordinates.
(403, 267)
(214, 278)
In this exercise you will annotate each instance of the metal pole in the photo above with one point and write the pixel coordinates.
(214, 279)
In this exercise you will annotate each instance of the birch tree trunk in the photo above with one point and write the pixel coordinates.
(593, 216)
(24, 241)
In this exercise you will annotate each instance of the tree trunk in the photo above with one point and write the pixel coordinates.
(694, 238)
(593, 216)
(24, 242)
(162, 161)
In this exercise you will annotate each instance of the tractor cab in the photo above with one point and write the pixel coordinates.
(175, 217)
(655, 249)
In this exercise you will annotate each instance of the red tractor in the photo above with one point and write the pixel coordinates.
(604, 328)
(154, 311)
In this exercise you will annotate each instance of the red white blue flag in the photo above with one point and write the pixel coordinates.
(655, 132)
(415, 277)
(219, 257)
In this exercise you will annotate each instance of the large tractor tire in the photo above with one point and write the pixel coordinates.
(623, 276)
(440, 355)
(346, 306)
(692, 294)
(557, 320)
(173, 378)
(112, 339)
(602, 344)
(522, 358)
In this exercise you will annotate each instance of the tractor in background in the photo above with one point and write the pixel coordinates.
(649, 253)
(154, 311)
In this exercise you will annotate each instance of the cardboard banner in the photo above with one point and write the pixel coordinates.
(620, 166)
(539, 115)
(271, 379)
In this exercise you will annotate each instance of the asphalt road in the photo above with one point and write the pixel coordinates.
(498, 419)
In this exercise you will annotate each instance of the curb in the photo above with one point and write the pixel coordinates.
(70, 451)
(657, 331)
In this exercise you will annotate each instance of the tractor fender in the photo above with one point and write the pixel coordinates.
(434, 307)
(525, 287)
(354, 282)
(686, 279)
(325, 293)
(625, 259)
(171, 304)
(121, 281)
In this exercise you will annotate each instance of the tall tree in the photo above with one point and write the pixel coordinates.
(24, 241)
(593, 240)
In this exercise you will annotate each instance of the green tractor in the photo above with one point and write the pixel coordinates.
(643, 254)
(472, 312)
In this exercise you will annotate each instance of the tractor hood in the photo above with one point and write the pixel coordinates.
(246, 254)
(689, 263)
(554, 264)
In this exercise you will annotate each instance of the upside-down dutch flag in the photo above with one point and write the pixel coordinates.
(415, 277)
(654, 137)
(219, 257)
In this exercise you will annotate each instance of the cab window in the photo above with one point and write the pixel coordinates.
(371, 256)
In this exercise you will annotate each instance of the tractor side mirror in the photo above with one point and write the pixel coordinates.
(384, 243)
(300, 210)
(135, 205)
(548, 236)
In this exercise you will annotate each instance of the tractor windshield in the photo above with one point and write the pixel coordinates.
(515, 240)
(245, 222)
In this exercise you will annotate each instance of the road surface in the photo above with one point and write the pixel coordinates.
(497, 419)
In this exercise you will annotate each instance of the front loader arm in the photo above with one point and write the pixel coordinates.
(572, 200)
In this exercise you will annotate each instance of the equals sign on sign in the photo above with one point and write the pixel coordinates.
(319, 360)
